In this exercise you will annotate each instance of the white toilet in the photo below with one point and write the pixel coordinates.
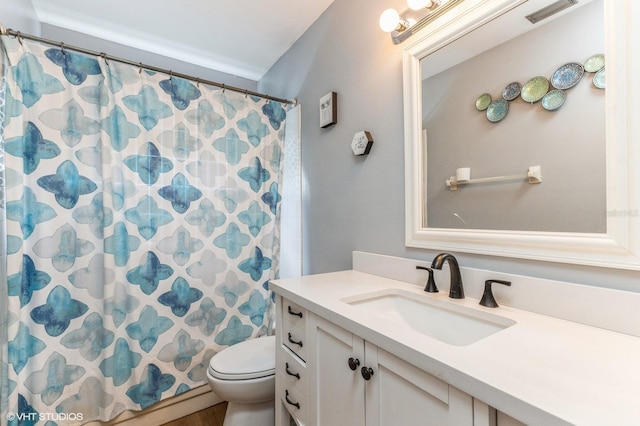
(244, 375)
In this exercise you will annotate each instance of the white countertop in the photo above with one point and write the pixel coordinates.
(541, 371)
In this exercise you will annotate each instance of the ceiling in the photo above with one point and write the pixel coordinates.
(239, 37)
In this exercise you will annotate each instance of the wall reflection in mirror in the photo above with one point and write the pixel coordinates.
(568, 142)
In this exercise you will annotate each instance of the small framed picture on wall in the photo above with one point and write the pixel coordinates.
(328, 110)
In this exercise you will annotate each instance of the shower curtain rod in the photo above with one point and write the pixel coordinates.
(19, 35)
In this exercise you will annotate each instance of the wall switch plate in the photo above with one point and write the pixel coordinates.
(361, 143)
(328, 110)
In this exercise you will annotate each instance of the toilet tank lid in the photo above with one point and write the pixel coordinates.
(245, 360)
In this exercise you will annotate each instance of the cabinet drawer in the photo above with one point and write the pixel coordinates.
(295, 339)
(294, 314)
(293, 369)
(294, 401)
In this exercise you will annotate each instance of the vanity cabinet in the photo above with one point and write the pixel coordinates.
(359, 384)
(328, 376)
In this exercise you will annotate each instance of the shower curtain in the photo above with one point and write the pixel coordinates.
(141, 228)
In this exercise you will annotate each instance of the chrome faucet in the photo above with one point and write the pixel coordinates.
(455, 290)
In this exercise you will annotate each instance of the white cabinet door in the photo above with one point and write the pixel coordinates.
(399, 393)
(338, 393)
(390, 392)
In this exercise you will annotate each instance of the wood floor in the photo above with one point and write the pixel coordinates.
(212, 416)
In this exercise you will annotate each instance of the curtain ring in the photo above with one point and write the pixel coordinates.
(170, 75)
(198, 82)
(104, 58)
(246, 92)
(140, 68)
(19, 37)
(62, 48)
(224, 87)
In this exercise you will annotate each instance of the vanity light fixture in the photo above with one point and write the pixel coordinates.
(419, 14)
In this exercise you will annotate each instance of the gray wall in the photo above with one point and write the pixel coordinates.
(19, 15)
(568, 143)
(354, 203)
(348, 202)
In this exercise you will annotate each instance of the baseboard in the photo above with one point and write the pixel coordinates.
(168, 410)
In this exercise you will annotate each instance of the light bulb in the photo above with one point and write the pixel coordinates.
(389, 20)
(418, 4)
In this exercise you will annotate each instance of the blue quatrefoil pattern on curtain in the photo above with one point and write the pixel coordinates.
(142, 229)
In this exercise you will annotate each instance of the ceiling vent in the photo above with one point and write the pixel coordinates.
(552, 9)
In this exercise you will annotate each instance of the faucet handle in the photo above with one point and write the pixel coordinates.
(431, 282)
(487, 298)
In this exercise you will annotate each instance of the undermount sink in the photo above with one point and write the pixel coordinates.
(442, 320)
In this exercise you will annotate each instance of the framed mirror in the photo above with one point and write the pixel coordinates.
(611, 237)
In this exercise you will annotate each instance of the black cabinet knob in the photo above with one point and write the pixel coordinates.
(367, 372)
(353, 363)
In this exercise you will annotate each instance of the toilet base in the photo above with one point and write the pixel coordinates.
(261, 413)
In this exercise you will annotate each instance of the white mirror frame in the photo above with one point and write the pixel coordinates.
(619, 247)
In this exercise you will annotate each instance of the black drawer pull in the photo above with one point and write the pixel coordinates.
(292, 312)
(294, 342)
(290, 402)
(291, 373)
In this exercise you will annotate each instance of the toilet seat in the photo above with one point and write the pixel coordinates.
(247, 360)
